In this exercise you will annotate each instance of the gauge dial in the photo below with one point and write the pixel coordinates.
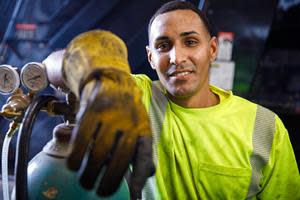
(9, 79)
(34, 77)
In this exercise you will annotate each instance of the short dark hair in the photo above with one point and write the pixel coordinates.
(180, 5)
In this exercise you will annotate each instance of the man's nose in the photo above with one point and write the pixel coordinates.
(177, 55)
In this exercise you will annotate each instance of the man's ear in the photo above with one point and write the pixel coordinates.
(213, 48)
(149, 56)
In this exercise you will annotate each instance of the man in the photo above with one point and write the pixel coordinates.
(208, 143)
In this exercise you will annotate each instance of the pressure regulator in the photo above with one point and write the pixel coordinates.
(34, 77)
(9, 79)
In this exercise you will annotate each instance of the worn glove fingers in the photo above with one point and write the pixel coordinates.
(81, 139)
(101, 148)
(143, 166)
(118, 165)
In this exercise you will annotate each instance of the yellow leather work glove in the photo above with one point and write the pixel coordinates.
(113, 127)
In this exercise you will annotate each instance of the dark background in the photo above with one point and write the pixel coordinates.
(265, 49)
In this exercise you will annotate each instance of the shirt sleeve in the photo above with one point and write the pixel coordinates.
(281, 179)
(145, 84)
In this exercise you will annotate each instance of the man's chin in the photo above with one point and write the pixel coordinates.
(180, 93)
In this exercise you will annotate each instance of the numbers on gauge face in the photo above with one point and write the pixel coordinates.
(34, 77)
(9, 79)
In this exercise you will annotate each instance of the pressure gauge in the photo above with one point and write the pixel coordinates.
(9, 79)
(34, 77)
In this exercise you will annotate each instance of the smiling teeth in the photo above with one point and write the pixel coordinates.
(181, 74)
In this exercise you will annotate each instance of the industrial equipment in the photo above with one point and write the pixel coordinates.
(45, 176)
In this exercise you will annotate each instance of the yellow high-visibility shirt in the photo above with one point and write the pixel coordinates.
(209, 153)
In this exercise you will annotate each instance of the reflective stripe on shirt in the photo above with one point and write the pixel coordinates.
(262, 140)
(157, 113)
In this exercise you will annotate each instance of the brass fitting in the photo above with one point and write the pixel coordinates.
(15, 105)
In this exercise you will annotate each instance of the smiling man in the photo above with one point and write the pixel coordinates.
(181, 50)
(208, 143)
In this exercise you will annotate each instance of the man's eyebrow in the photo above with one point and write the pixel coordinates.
(161, 38)
(183, 34)
(188, 33)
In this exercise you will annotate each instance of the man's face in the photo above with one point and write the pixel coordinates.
(181, 50)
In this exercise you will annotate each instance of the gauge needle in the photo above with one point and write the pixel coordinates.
(34, 78)
(5, 79)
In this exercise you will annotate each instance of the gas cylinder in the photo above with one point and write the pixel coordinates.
(49, 178)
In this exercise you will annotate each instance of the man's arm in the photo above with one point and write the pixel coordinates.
(281, 178)
(113, 129)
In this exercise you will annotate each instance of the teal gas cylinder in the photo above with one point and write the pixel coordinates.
(48, 177)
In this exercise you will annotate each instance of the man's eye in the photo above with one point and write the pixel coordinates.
(191, 42)
(163, 46)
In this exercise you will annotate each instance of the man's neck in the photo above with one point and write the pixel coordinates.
(202, 100)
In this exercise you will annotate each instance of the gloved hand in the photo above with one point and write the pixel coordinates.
(113, 127)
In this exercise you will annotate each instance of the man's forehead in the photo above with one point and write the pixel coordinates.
(178, 20)
(176, 16)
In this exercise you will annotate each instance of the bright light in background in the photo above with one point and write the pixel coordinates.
(286, 4)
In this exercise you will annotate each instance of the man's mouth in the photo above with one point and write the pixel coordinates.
(180, 73)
